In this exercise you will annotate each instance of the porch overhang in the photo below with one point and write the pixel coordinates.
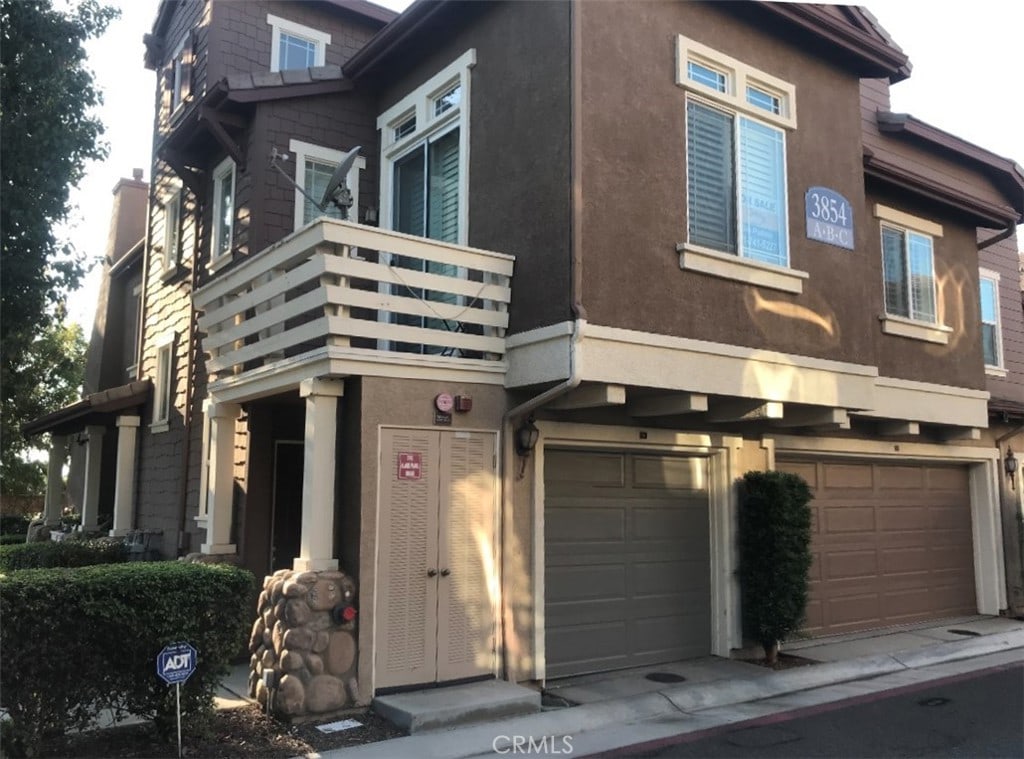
(95, 409)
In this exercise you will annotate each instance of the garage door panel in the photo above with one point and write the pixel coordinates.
(578, 525)
(566, 471)
(850, 519)
(914, 519)
(848, 476)
(631, 590)
(841, 565)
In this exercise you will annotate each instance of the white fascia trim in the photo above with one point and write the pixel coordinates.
(539, 355)
(928, 402)
(278, 25)
(307, 150)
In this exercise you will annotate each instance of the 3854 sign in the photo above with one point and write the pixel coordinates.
(829, 217)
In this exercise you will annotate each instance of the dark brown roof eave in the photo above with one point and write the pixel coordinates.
(366, 9)
(879, 57)
(391, 36)
(76, 415)
(982, 212)
(1008, 174)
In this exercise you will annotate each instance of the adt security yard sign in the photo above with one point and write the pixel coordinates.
(176, 663)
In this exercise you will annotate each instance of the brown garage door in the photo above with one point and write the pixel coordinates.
(892, 544)
(627, 560)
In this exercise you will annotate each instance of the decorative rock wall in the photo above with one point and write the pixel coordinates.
(303, 636)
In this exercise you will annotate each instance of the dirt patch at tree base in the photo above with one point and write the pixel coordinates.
(784, 661)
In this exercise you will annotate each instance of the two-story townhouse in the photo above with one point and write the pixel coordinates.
(728, 255)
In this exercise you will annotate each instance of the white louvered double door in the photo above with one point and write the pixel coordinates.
(437, 579)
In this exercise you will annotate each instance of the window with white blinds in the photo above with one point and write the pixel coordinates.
(991, 346)
(909, 274)
(736, 184)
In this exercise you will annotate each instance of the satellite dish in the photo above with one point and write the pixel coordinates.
(337, 191)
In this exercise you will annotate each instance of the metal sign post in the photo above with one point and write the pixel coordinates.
(175, 664)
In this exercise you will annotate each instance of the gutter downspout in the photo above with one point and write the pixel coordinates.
(1008, 232)
(579, 314)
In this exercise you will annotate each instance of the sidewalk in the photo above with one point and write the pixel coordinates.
(625, 708)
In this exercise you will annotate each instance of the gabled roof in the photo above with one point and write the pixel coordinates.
(1007, 175)
(96, 408)
(848, 33)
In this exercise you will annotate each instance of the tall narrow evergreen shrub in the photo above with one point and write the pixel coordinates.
(775, 556)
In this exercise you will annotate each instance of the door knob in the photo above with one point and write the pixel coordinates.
(445, 572)
(431, 573)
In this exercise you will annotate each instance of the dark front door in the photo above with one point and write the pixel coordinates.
(286, 527)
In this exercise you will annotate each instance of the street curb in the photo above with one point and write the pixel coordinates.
(476, 740)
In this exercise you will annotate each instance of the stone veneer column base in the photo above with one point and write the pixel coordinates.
(312, 657)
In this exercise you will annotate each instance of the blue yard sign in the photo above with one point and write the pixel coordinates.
(829, 217)
(176, 663)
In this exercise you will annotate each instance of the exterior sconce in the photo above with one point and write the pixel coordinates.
(526, 438)
(1010, 464)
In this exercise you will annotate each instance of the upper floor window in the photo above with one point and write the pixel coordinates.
(991, 339)
(132, 326)
(163, 387)
(223, 211)
(294, 46)
(179, 74)
(314, 167)
(736, 179)
(171, 249)
(908, 274)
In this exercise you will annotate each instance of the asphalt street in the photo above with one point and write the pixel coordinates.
(979, 714)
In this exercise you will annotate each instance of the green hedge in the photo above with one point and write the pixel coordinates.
(14, 524)
(775, 556)
(67, 553)
(11, 540)
(75, 641)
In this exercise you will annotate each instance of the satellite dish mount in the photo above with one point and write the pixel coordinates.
(337, 192)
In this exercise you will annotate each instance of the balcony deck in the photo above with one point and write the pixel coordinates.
(341, 299)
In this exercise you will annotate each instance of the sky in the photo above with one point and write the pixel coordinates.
(966, 80)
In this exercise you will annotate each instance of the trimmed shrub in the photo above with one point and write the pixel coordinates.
(11, 540)
(67, 553)
(775, 556)
(14, 524)
(75, 641)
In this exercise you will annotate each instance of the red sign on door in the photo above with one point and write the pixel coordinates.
(410, 466)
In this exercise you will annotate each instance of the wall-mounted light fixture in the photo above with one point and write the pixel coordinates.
(1010, 464)
(526, 438)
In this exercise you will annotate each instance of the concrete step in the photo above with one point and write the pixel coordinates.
(452, 706)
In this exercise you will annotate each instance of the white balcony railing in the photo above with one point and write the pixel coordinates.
(339, 285)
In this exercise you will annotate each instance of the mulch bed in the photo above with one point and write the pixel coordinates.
(236, 733)
(784, 661)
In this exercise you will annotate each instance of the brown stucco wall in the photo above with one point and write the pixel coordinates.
(519, 185)
(634, 186)
(240, 35)
(404, 403)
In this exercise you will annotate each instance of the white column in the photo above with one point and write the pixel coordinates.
(124, 488)
(93, 458)
(55, 479)
(221, 478)
(317, 551)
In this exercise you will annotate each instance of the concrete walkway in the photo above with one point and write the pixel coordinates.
(626, 708)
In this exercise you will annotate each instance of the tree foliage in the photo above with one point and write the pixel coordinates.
(48, 376)
(48, 132)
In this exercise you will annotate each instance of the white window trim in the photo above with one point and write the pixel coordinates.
(419, 103)
(204, 467)
(307, 150)
(277, 25)
(171, 246)
(177, 70)
(218, 259)
(999, 369)
(163, 382)
(902, 326)
(738, 76)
